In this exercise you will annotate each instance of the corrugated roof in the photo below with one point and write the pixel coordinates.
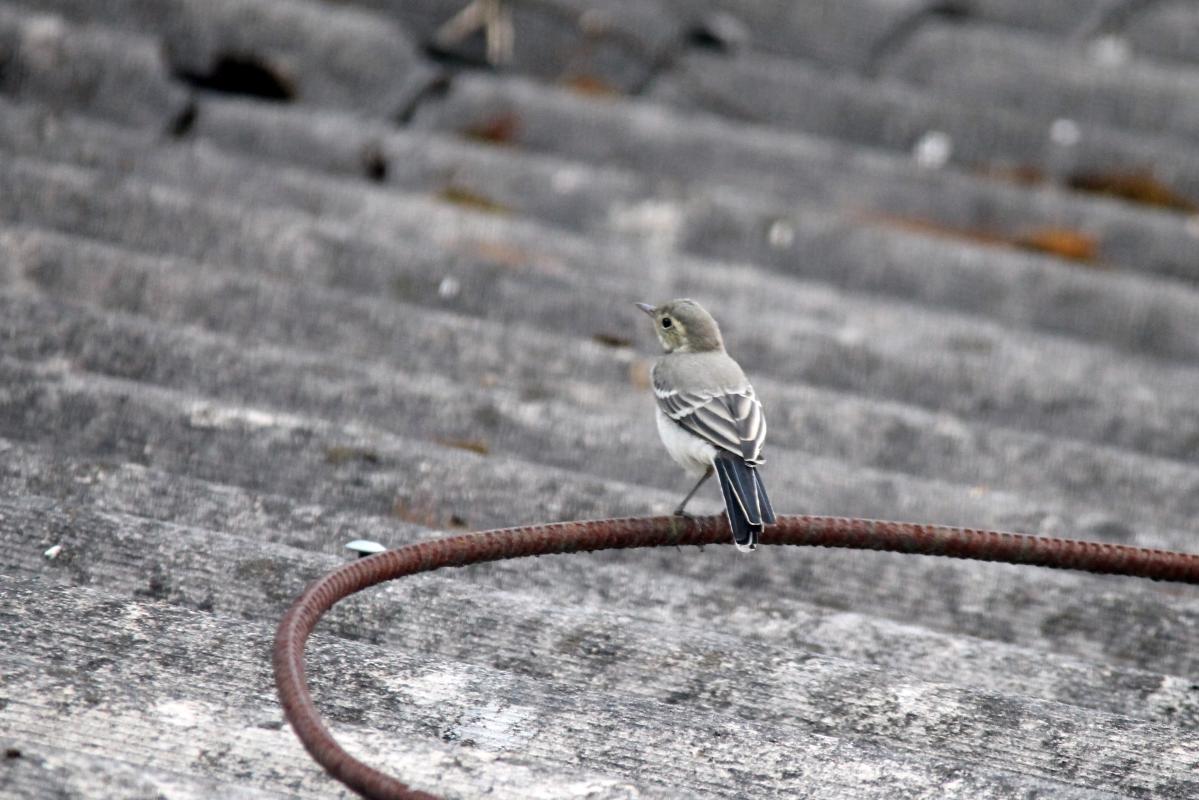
(280, 274)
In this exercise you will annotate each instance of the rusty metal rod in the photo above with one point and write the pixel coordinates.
(573, 537)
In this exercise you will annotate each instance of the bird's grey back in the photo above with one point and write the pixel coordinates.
(685, 372)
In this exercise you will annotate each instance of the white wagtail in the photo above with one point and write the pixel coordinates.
(708, 415)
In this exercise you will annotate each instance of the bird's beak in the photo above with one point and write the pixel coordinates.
(646, 307)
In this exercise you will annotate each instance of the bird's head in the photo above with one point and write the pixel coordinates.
(683, 326)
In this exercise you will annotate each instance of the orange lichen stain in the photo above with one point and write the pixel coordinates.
(499, 129)
(1137, 186)
(468, 198)
(473, 445)
(1134, 186)
(590, 85)
(1060, 242)
(937, 229)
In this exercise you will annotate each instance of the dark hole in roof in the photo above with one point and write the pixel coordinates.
(705, 39)
(460, 55)
(720, 32)
(436, 89)
(374, 164)
(244, 75)
(184, 121)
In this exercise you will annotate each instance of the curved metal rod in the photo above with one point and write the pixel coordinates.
(572, 537)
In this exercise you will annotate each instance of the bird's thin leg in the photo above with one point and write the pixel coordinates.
(678, 512)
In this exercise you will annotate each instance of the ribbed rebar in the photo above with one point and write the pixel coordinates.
(572, 537)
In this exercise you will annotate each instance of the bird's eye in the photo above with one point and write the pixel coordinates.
(666, 323)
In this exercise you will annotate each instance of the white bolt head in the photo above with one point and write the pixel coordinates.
(933, 149)
(365, 547)
(1064, 132)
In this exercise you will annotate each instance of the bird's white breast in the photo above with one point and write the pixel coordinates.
(688, 450)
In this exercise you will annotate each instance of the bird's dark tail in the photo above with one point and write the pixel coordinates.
(745, 501)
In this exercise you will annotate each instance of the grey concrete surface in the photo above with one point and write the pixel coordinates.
(279, 274)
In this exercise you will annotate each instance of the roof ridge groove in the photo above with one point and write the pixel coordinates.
(148, 341)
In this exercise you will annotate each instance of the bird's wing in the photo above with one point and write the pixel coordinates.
(729, 419)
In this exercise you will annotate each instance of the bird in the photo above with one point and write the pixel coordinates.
(709, 418)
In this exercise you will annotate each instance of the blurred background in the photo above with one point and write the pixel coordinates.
(281, 274)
